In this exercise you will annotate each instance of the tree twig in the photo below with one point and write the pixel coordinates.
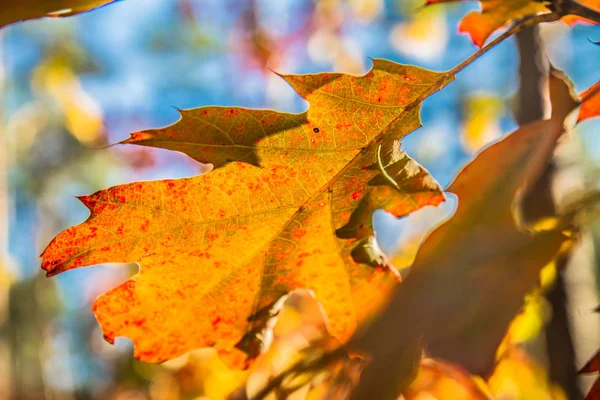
(572, 7)
(516, 28)
(300, 367)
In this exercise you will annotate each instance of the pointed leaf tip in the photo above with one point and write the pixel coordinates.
(86, 200)
(136, 137)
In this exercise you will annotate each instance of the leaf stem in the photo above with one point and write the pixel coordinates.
(516, 28)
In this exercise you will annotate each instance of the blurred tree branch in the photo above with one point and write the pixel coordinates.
(572, 7)
(539, 203)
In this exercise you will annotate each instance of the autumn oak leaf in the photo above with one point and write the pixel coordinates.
(471, 274)
(494, 14)
(21, 10)
(287, 206)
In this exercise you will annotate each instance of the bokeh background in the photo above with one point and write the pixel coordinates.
(71, 86)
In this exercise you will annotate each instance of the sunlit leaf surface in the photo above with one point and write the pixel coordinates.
(494, 14)
(288, 206)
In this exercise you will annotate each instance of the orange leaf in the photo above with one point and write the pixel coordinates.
(479, 25)
(288, 206)
(591, 107)
(16, 11)
(471, 274)
(494, 14)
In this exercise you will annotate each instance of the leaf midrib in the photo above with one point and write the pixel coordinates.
(241, 146)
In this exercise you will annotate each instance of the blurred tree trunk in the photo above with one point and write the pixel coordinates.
(532, 71)
(540, 203)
